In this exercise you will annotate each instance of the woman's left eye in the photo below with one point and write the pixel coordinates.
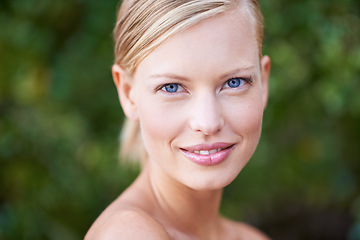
(235, 82)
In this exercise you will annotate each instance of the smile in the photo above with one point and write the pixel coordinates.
(208, 154)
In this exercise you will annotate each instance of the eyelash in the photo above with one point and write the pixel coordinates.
(161, 87)
(247, 80)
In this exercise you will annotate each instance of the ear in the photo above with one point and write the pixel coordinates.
(125, 91)
(265, 71)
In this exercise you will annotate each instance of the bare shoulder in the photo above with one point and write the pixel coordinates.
(244, 231)
(128, 224)
(250, 232)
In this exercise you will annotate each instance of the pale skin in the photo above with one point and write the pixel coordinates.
(204, 85)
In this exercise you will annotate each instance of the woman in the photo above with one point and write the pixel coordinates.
(193, 84)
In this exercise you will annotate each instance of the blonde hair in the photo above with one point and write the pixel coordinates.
(142, 25)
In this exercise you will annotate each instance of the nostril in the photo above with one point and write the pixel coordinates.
(209, 126)
(206, 115)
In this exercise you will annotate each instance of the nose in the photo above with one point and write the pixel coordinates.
(206, 115)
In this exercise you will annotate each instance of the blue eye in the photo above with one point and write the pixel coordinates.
(171, 87)
(238, 82)
(234, 82)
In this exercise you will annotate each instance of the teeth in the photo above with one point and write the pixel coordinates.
(207, 152)
(213, 151)
(204, 152)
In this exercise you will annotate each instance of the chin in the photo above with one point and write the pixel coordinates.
(210, 182)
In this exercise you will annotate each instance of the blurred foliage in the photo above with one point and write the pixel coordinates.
(60, 119)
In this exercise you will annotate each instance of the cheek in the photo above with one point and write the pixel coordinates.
(246, 119)
(159, 126)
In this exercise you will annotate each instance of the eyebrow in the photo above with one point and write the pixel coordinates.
(182, 78)
(170, 76)
(236, 71)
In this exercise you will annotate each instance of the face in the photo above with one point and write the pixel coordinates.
(199, 98)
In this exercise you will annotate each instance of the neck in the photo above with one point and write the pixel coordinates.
(187, 210)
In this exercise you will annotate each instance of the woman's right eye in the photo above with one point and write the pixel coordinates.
(172, 88)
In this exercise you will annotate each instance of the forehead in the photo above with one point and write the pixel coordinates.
(226, 40)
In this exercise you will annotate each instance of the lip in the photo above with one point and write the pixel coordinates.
(210, 159)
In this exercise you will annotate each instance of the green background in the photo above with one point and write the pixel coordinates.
(60, 120)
